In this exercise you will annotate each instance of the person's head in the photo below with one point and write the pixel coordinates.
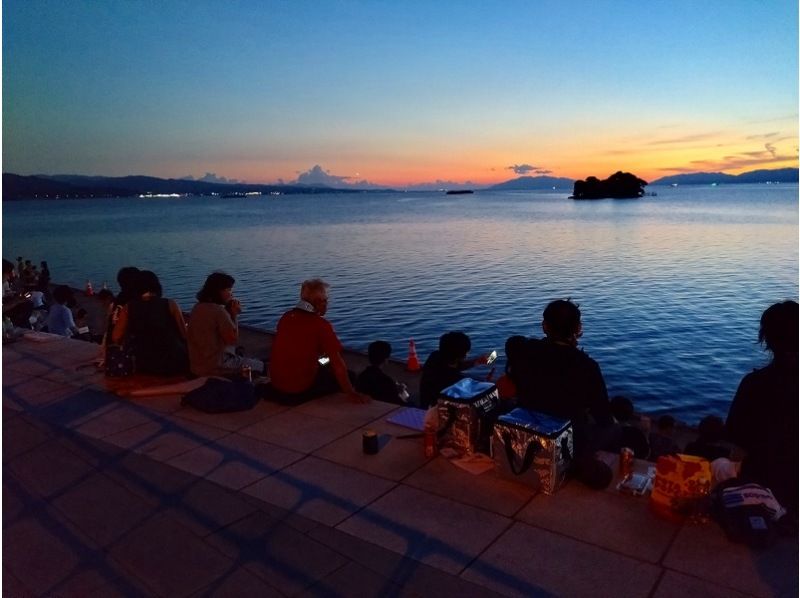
(514, 346)
(27, 263)
(8, 269)
(621, 409)
(378, 352)
(127, 278)
(81, 313)
(666, 424)
(62, 294)
(147, 282)
(218, 288)
(44, 265)
(562, 321)
(105, 296)
(711, 428)
(779, 324)
(454, 346)
(315, 292)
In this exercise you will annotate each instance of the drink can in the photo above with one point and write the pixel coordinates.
(625, 462)
(247, 373)
(430, 444)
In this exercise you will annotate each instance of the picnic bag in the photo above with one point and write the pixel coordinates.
(747, 512)
(219, 395)
(533, 448)
(465, 412)
(681, 487)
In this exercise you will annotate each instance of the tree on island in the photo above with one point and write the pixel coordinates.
(621, 185)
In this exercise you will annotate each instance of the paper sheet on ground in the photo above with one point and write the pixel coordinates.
(476, 464)
(409, 417)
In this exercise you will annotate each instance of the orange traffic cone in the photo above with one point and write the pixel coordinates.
(413, 362)
(89, 290)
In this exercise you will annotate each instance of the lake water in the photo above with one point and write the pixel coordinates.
(671, 287)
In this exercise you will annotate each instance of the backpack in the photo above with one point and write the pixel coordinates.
(219, 395)
(747, 512)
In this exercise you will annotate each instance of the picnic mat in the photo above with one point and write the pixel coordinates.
(409, 417)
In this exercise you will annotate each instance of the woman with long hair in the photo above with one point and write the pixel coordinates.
(214, 332)
(154, 327)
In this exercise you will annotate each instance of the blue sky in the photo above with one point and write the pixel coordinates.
(398, 93)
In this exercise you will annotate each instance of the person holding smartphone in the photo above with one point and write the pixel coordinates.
(306, 360)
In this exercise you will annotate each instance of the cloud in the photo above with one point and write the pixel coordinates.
(762, 136)
(317, 176)
(527, 168)
(685, 139)
(211, 177)
(771, 149)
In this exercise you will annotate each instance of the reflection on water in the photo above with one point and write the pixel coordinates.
(671, 287)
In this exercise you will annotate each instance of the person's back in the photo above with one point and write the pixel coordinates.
(205, 343)
(373, 381)
(157, 344)
(59, 318)
(441, 369)
(301, 338)
(562, 381)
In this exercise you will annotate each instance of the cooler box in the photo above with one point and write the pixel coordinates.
(466, 410)
(533, 448)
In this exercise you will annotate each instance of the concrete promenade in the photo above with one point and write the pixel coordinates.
(112, 496)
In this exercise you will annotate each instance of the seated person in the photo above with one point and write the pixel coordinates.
(661, 441)
(59, 318)
(630, 435)
(763, 416)
(306, 360)
(444, 367)
(554, 377)
(377, 384)
(213, 330)
(710, 433)
(155, 329)
(515, 346)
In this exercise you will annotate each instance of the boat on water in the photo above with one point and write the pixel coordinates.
(459, 191)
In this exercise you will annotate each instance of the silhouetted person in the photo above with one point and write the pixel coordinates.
(444, 367)
(763, 416)
(515, 348)
(630, 435)
(374, 381)
(710, 434)
(557, 378)
(661, 440)
(59, 318)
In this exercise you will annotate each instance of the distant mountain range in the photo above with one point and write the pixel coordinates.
(72, 186)
(530, 183)
(779, 175)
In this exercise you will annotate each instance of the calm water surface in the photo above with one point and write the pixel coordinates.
(671, 287)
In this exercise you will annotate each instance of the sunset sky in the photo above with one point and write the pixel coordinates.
(398, 93)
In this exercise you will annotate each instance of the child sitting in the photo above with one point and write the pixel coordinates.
(661, 442)
(505, 384)
(630, 436)
(708, 444)
(377, 384)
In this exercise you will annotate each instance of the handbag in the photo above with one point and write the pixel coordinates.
(120, 361)
(681, 487)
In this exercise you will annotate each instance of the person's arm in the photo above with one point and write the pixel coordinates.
(177, 315)
(339, 368)
(599, 406)
(739, 425)
(70, 321)
(118, 334)
(229, 328)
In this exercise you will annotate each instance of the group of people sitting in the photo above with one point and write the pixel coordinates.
(549, 374)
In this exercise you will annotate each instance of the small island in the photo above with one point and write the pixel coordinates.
(621, 185)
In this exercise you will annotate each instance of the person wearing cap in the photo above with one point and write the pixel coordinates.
(306, 360)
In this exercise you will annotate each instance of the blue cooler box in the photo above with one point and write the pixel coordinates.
(465, 410)
(533, 448)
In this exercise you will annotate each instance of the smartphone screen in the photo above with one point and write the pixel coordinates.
(324, 360)
(491, 358)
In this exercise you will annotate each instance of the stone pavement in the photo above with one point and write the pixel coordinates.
(104, 496)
